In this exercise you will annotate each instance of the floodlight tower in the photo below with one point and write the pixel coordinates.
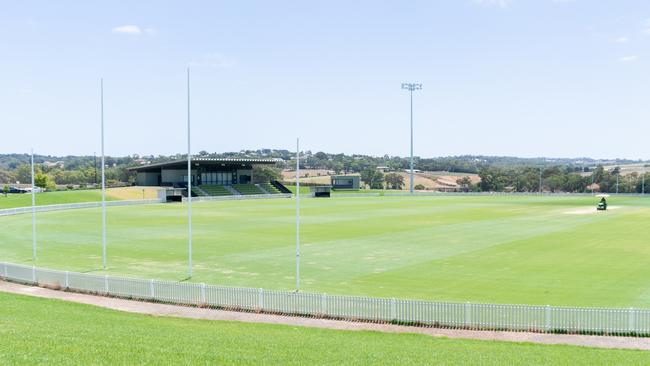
(411, 87)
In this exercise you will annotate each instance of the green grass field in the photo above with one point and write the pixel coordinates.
(42, 331)
(498, 249)
(51, 198)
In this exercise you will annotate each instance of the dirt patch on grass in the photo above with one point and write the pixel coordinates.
(133, 193)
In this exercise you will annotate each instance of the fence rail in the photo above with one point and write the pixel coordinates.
(240, 197)
(70, 206)
(550, 319)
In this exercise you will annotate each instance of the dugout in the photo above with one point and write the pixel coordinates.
(321, 191)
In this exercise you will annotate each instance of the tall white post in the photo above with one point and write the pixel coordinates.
(411, 87)
(297, 214)
(103, 180)
(189, 182)
(33, 213)
(411, 163)
(643, 183)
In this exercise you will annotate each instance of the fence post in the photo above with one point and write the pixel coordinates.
(203, 294)
(468, 313)
(34, 275)
(153, 295)
(323, 305)
(260, 299)
(548, 318)
(393, 309)
(67, 280)
(630, 324)
(6, 272)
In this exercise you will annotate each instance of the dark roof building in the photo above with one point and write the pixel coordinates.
(211, 171)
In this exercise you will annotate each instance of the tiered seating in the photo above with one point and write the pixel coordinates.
(247, 189)
(270, 188)
(215, 190)
(197, 192)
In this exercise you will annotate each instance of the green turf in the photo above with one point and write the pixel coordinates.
(497, 249)
(50, 198)
(42, 331)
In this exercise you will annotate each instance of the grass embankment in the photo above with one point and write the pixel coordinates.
(42, 331)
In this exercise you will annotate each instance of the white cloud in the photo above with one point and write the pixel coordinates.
(628, 58)
(622, 40)
(128, 29)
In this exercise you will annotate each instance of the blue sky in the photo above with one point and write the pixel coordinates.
(555, 78)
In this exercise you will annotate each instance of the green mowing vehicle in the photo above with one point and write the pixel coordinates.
(602, 205)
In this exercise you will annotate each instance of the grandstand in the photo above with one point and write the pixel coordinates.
(209, 176)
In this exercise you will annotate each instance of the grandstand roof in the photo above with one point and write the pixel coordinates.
(182, 163)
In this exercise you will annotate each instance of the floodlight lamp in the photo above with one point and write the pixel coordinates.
(411, 86)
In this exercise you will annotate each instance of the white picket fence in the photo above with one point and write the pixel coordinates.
(555, 319)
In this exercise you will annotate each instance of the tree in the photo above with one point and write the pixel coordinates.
(43, 181)
(24, 173)
(5, 190)
(394, 181)
(464, 183)
(263, 174)
(419, 187)
(373, 178)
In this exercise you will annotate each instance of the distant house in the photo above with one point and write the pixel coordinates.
(52, 164)
(594, 187)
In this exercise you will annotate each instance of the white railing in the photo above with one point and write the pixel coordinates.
(550, 319)
(240, 197)
(71, 206)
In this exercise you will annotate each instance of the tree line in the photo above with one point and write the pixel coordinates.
(496, 173)
(559, 179)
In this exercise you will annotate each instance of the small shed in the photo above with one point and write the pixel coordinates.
(351, 182)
